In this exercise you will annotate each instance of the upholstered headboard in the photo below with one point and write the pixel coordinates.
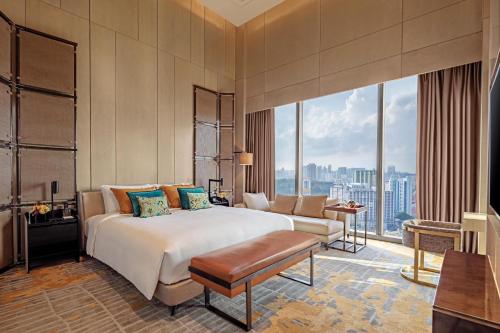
(90, 204)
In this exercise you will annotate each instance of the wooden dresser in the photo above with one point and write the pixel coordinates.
(467, 299)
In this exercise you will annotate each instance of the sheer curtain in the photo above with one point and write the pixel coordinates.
(449, 107)
(259, 128)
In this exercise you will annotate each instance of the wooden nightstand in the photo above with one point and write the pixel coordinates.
(54, 239)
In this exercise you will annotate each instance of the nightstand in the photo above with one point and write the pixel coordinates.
(55, 239)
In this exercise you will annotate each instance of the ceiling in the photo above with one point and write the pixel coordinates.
(240, 11)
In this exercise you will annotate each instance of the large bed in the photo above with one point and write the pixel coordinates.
(154, 253)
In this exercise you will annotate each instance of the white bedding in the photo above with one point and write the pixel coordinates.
(149, 250)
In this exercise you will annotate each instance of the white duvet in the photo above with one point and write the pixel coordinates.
(148, 250)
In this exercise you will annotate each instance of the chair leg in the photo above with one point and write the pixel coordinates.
(172, 310)
(416, 256)
(421, 264)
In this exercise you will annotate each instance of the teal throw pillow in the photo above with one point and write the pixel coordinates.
(198, 201)
(154, 206)
(183, 191)
(146, 194)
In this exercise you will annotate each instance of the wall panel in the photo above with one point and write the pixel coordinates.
(197, 33)
(148, 22)
(103, 88)
(174, 27)
(118, 15)
(186, 75)
(166, 118)
(255, 48)
(376, 46)
(292, 73)
(77, 7)
(346, 20)
(412, 8)
(15, 10)
(136, 112)
(292, 31)
(214, 42)
(379, 71)
(452, 53)
(448, 23)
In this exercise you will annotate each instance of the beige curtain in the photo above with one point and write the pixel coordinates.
(449, 107)
(260, 141)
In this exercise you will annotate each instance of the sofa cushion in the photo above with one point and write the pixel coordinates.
(316, 226)
(284, 204)
(310, 205)
(257, 201)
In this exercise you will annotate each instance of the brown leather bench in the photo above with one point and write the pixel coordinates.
(237, 268)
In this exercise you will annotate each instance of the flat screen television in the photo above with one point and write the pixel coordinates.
(494, 148)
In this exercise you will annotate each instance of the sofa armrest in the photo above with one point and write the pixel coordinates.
(338, 216)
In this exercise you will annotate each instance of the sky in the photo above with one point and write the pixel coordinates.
(341, 129)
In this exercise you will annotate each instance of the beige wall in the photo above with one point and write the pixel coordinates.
(137, 61)
(306, 48)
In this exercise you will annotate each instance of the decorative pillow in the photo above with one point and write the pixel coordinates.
(310, 205)
(154, 206)
(198, 201)
(257, 201)
(284, 204)
(110, 203)
(123, 199)
(183, 195)
(173, 195)
(149, 194)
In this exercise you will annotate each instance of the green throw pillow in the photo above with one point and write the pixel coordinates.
(183, 191)
(154, 206)
(147, 194)
(198, 201)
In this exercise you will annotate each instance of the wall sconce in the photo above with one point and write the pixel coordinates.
(245, 158)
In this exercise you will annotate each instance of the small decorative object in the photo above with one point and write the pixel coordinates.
(350, 204)
(39, 209)
(38, 213)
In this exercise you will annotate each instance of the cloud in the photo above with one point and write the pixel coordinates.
(341, 130)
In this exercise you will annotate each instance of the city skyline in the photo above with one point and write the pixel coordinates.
(358, 184)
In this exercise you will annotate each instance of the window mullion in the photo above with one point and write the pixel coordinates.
(380, 162)
(298, 148)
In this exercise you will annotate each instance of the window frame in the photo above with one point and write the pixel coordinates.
(380, 165)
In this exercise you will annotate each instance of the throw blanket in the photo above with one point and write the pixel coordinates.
(148, 250)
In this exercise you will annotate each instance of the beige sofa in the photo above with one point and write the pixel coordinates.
(329, 229)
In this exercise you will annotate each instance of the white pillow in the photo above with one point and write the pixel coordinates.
(110, 203)
(257, 201)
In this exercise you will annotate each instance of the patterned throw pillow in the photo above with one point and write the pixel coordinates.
(135, 204)
(154, 206)
(183, 195)
(198, 201)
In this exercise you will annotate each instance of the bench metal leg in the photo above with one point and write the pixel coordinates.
(246, 326)
(311, 273)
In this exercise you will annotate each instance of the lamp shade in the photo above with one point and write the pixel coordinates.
(246, 158)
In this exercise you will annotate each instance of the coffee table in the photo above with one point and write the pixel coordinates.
(347, 245)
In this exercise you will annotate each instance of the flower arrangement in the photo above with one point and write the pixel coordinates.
(40, 209)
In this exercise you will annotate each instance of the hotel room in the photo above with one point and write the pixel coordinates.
(249, 165)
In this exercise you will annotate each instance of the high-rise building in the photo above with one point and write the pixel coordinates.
(391, 170)
(310, 171)
(366, 177)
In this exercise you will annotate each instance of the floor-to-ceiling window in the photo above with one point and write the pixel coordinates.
(340, 147)
(400, 154)
(344, 137)
(285, 148)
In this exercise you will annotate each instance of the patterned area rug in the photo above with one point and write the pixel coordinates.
(361, 292)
